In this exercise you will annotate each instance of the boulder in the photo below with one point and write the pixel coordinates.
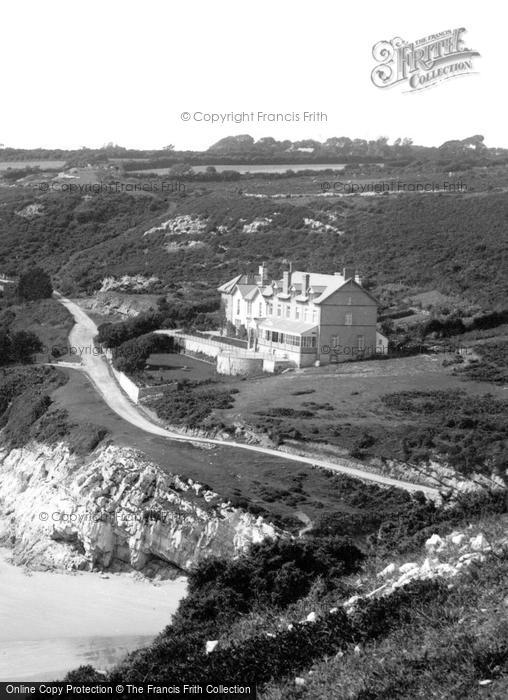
(434, 543)
(479, 543)
(457, 539)
(408, 567)
(387, 571)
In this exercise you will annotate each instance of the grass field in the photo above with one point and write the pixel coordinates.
(280, 487)
(353, 389)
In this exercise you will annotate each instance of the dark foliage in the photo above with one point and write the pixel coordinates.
(34, 284)
(131, 355)
(469, 432)
(192, 403)
(18, 346)
(492, 367)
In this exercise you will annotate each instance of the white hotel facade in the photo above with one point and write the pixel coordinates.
(305, 316)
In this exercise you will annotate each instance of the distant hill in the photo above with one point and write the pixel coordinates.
(244, 148)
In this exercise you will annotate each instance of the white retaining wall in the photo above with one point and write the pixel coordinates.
(131, 389)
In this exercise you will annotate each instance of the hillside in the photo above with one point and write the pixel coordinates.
(456, 244)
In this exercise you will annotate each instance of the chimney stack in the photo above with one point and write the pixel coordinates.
(306, 284)
(285, 282)
(349, 272)
(263, 274)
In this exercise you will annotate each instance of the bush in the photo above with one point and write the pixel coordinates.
(192, 403)
(35, 284)
(131, 355)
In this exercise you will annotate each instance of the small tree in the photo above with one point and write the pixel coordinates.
(35, 284)
(24, 344)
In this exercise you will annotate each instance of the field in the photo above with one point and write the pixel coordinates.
(290, 493)
(42, 164)
(353, 389)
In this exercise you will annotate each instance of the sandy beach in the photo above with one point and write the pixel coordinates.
(51, 622)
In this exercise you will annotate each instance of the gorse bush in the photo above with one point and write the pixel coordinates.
(192, 403)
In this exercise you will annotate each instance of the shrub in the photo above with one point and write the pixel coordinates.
(35, 284)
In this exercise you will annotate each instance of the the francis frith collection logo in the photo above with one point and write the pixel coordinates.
(422, 63)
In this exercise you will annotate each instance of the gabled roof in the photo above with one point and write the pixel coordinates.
(228, 287)
(321, 284)
(332, 289)
(247, 291)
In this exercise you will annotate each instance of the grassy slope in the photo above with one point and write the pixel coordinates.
(49, 320)
(444, 649)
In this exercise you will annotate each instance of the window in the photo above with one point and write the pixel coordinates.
(269, 308)
(309, 341)
(279, 309)
(305, 313)
(349, 319)
(238, 306)
(260, 308)
(288, 310)
(292, 340)
(360, 343)
(297, 313)
(314, 315)
(334, 341)
(349, 301)
(249, 307)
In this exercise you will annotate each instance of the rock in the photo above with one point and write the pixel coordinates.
(458, 539)
(427, 566)
(299, 681)
(333, 610)
(479, 543)
(311, 617)
(470, 557)
(149, 516)
(408, 567)
(445, 570)
(357, 650)
(435, 543)
(351, 601)
(387, 571)
(210, 646)
(291, 627)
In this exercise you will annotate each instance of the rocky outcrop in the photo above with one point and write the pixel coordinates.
(129, 283)
(113, 510)
(122, 303)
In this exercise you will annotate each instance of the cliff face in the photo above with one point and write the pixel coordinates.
(113, 510)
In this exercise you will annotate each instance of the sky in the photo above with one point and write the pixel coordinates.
(85, 74)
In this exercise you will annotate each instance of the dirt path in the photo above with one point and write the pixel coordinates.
(98, 370)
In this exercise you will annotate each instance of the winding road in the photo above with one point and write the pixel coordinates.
(101, 376)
